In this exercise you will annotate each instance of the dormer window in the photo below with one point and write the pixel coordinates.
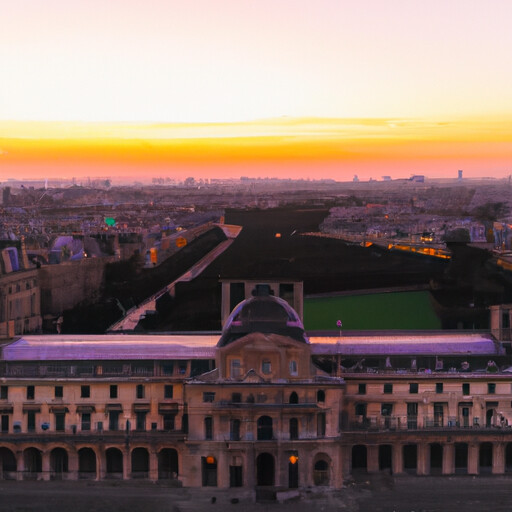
(293, 368)
(266, 367)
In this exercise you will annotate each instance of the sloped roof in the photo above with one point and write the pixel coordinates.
(111, 347)
(406, 344)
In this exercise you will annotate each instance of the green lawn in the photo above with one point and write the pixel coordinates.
(394, 310)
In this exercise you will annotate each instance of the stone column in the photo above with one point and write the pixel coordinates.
(448, 459)
(223, 458)
(45, 456)
(153, 465)
(398, 459)
(101, 464)
(473, 459)
(423, 463)
(127, 464)
(498, 458)
(20, 465)
(345, 458)
(372, 458)
(73, 465)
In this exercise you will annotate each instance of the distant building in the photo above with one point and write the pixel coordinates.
(417, 178)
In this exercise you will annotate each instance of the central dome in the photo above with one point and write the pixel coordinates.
(262, 313)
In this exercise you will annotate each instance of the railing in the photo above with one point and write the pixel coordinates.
(437, 422)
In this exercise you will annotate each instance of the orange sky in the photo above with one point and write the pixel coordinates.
(302, 148)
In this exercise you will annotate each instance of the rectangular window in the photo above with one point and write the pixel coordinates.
(413, 387)
(235, 476)
(236, 368)
(60, 421)
(491, 388)
(59, 391)
(439, 387)
(266, 366)
(234, 430)
(168, 422)
(31, 421)
(139, 391)
(168, 368)
(386, 409)
(86, 421)
(5, 423)
(236, 398)
(168, 391)
(465, 388)
(140, 418)
(182, 369)
(30, 392)
(361, 389)
(113, 391)
(113, 420)
(4, 392)
(85, 391)
(293, 368)
(388, 388)
(320, 424)
(208, 396)
(208, 428)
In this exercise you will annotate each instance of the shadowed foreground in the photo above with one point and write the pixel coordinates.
(379, 493)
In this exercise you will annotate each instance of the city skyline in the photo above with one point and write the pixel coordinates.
(286, 89)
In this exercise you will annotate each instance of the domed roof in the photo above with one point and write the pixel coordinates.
(262, 313)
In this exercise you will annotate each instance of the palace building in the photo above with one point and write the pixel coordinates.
(260, 405)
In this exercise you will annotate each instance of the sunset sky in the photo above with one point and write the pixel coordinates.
(324, 88)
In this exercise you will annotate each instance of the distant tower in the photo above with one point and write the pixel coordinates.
(356, 178)
(460, 175)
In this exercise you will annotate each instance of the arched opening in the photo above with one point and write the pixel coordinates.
(265, 469)
(58, 463)
(485, 458)
(461, 458)
(508, 458)
(168, 464)
(436, 459)
(114, 458)
(410, 458)
(32, 461)
(86, 463)
(293, 472)
(359, 458)
(320, 396)
(321, 472)
(294, 398)
(265, 432)
(209, 471)
(7, 464)
(140, 463)
(294, 428)
(385, 457)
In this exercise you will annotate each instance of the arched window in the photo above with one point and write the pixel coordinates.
(265, 432)
(294, 398)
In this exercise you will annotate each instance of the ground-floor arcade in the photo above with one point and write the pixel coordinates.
(435, 456)
(70, 462)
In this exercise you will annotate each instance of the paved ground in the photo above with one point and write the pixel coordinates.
(379, 494)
